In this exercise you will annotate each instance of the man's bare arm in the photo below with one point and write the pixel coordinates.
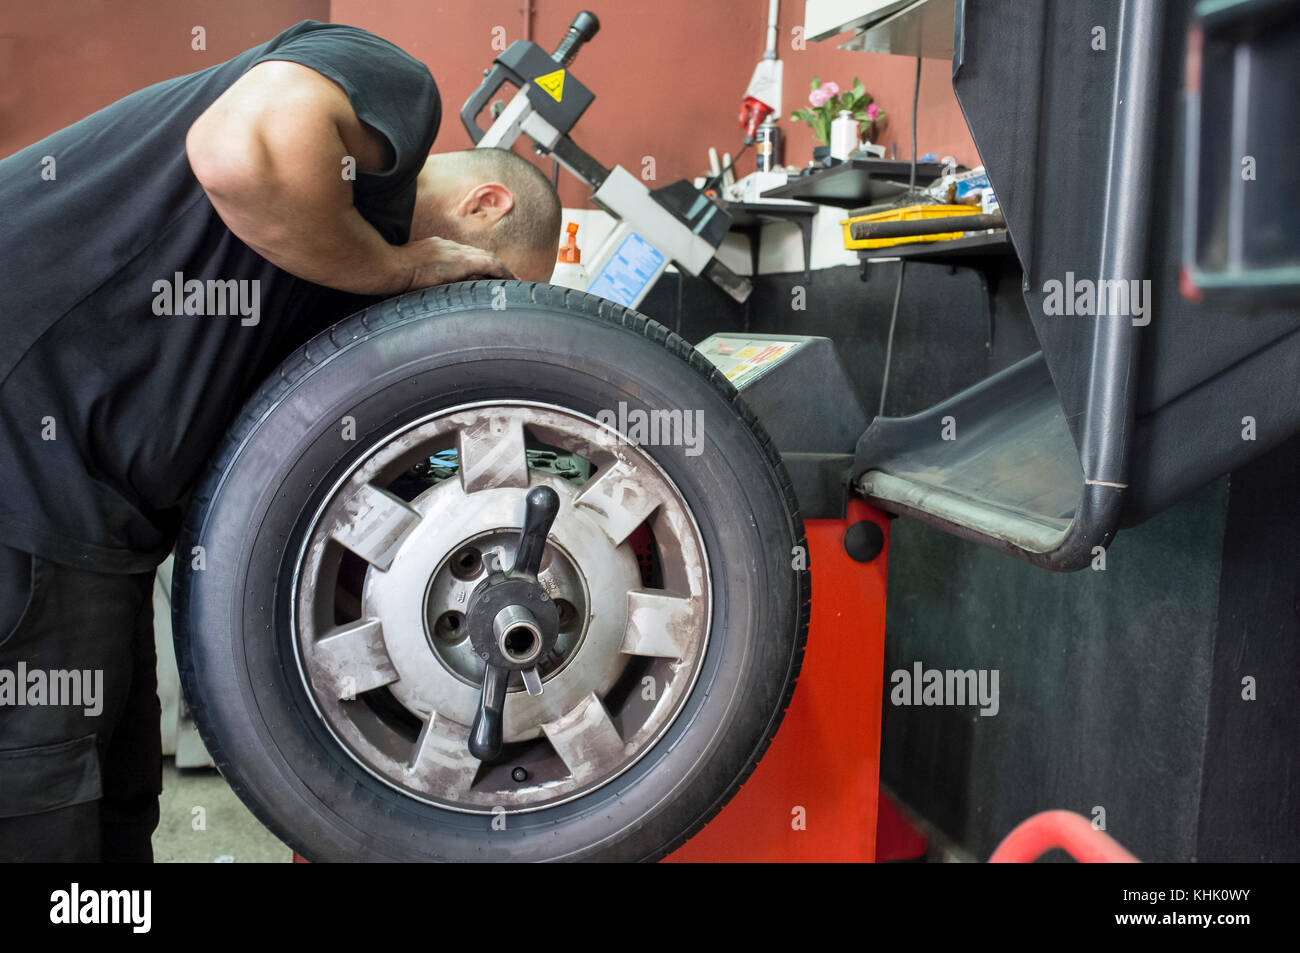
(269, 154)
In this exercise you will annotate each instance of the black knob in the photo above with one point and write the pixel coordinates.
(582, 29)
(864, 541)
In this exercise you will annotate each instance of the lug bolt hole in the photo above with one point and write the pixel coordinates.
(450, 627)
(466, 563)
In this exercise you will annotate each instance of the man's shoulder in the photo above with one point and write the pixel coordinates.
(344, 36)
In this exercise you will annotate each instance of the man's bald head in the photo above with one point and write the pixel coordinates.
(494, 200)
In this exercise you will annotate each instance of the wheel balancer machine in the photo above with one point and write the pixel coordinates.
(1111, 422)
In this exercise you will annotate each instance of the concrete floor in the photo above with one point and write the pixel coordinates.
(202, 822)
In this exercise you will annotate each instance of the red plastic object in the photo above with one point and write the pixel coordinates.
(1071, 832)
(813, 797)
(896, 837)
(752, 112)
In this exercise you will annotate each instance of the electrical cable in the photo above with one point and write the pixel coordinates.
(902, 263)
(889, 341)
(713, 182)
(916, 95)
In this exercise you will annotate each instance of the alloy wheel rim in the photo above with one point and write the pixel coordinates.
(399, 544)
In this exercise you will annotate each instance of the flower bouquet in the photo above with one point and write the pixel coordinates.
(827, 101)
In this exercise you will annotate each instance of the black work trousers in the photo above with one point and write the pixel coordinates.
(80, 744)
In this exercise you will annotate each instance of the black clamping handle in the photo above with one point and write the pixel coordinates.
(540, 507)
(485, 736)
(582, 29)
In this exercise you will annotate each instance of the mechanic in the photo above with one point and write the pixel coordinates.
(297, 178)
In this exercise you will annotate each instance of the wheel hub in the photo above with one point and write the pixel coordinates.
(583, 570)
(466, 567)
(511, 622)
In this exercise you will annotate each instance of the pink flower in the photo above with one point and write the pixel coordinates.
(873, 112)
(821, 96)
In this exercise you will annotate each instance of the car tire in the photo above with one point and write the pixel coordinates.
(306, 764)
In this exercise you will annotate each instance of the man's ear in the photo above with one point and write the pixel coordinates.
(486, 203)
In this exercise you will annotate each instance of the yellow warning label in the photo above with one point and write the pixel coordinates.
(553, 83)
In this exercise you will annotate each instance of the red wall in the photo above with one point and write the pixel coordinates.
(61, 60)
(668, 75)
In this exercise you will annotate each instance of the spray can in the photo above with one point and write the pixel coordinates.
(769, 147)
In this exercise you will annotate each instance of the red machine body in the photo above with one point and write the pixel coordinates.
(814, 795)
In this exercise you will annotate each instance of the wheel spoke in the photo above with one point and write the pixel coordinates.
(374, 525)
(621, 501)
(352, 659)
(586, 740)
(492, 454)
(441, 763)
(661, 625)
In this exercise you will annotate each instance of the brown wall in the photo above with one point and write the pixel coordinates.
(61, 60)
(668, 75)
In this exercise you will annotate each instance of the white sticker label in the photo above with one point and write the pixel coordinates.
(742, 359)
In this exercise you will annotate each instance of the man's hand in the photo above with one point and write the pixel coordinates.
(436, 261)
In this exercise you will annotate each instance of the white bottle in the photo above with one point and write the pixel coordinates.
(569, 271)
(844, 135)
